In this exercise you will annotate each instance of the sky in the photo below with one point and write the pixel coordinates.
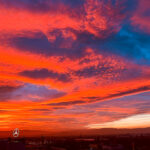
(74, 64)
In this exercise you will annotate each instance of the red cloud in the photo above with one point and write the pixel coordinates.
(96, 17)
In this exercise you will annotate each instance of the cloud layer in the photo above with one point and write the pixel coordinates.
(72, 62)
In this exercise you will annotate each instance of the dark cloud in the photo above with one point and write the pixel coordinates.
(119, 94)
(114, 115)
(44, 73)
(74, 111)
(57, 108)
(42, 119)
(41, 6)
(106, 70)
(67, 103)
(7, 91)
(93, 71)
(126, 43)
(92, 98)
(50, 5)
(36, 93)
(87, 100)
(36, 44)
(38, 6)
(39, 44)
(30, 92)
(67, 120)
(132, 91)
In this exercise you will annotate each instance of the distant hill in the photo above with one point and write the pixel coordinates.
(104, 131)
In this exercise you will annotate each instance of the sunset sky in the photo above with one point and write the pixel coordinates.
(74, 64)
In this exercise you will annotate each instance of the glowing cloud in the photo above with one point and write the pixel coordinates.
(74, 62)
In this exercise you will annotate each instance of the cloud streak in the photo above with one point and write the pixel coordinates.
(44, 73)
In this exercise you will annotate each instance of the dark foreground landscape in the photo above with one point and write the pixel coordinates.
(111, 142)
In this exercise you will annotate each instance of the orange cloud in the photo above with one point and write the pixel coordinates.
(53, 71)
